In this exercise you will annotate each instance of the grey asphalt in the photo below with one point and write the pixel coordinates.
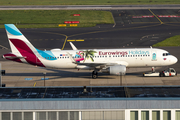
(135, 35)
(124, 35)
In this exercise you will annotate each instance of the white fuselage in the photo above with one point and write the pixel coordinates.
(138, 57)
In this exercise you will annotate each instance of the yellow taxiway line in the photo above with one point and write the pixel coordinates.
(74, 40)
(156, 17)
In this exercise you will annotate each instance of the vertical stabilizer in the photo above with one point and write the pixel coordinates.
(21, 48)
(18, 42)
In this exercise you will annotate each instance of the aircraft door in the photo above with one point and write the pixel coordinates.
(154, 55)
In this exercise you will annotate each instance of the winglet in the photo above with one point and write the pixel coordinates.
(72, 59)
(73, 47)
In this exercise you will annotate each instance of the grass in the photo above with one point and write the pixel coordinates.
(86, 2)
(172, 41)
(52, 18)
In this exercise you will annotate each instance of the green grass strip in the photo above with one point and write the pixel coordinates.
(52, 18)
(86, 2)
(172, 41)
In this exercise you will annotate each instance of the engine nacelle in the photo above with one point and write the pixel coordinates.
(115, 70)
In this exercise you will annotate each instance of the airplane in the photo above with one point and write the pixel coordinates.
(112, 61)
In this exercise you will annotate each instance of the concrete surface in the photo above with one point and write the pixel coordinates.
(16, 73)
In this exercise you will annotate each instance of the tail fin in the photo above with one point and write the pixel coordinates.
(21, 48)
(18, 42)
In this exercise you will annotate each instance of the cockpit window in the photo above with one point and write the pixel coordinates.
(166, 54)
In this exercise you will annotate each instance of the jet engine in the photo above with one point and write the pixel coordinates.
(115, 70)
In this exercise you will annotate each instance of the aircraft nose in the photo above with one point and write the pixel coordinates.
(174, 59)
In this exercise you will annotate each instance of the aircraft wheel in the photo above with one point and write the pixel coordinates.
(161, 74)
(94, 74)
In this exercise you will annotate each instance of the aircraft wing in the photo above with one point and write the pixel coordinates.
(104, 65)
(99, 65)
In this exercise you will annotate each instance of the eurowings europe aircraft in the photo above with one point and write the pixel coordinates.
(113, 61)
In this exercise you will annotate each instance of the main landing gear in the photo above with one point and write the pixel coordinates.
(94, 74)
(153, 69)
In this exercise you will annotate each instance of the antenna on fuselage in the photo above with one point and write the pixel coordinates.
(73, 47)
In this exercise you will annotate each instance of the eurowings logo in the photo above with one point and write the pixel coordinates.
(113, 53)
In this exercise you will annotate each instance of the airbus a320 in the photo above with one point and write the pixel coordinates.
(113, 61)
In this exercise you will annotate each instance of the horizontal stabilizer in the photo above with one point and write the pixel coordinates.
(12, 56)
